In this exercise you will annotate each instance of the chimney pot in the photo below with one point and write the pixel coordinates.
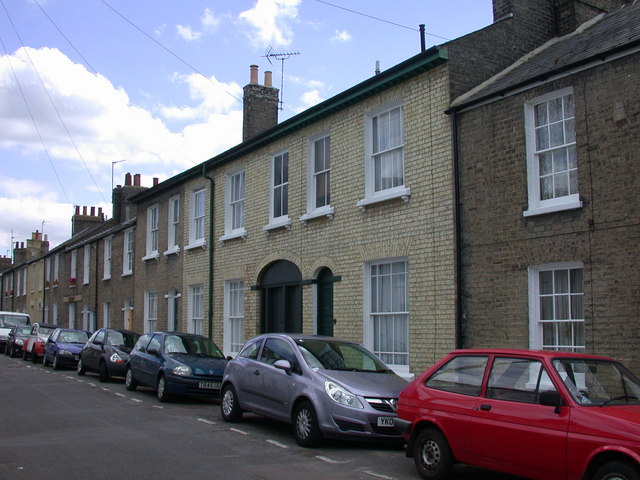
(268, 79)
(84, 210)
(77, 209)
(136, 180)
(127, 180)
(155, 181)
(93, 211)
(253, 79)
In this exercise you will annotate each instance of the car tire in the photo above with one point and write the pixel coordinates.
(80, 370)
(103, 372)
(34, 357)
(45, 362)
(305, 425)
(56, 363)
(24, 355)
(12, 353)
(229, 405)
(432, 455)
(617, 470)
(163, 395)
(130, 383)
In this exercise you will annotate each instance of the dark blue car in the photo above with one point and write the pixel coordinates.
(63, 347)
(176, 363)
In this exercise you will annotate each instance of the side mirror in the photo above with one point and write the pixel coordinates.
(551, 399)
(283, 365)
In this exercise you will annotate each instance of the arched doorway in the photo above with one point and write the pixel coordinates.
(324, 299)
(281, 298)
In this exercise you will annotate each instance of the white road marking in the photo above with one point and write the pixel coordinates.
(239, 431)
(330, 460)
(377, 475)
(137, 400)
(204, 420)
(277, 444)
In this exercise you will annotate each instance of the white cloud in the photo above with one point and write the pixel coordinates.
(341, 36)
(208, 21)
(187, 33)
(311, 98)
(271, 20)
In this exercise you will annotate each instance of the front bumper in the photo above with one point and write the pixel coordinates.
(366, 423)
(68, 360)
(194, 386)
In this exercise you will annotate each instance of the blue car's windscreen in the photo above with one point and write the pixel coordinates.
(191, 346)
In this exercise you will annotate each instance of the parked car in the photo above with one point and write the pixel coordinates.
(323, 386)
(7, 321)
(33, 346)
(106, 352)
(63, 347)
(539, 414)
(176, 363)
(17, 335)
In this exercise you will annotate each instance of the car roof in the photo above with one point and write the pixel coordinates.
(549, 354)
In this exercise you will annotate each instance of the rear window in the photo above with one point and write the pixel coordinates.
(462, 374)
(9, 319)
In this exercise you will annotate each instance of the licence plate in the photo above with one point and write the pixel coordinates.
(386, 422)
(209, 385)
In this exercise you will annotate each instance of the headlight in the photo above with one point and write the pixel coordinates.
(19, 341)
(64, 352)
(115, 358)
(341, 395)
(182, 370)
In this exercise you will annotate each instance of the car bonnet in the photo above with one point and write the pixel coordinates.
(202, 365)
(71, 347)
(367, 384)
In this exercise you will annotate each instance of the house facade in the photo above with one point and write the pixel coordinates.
(547, 181)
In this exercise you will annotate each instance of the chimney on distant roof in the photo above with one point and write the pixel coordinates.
(260, 105)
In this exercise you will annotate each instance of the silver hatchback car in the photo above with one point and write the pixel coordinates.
(324, 386)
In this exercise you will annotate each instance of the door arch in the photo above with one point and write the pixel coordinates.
(281, 298)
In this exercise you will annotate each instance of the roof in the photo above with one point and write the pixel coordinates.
(402, 72)
(598, 40)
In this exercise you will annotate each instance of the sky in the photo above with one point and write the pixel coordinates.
(93, 89)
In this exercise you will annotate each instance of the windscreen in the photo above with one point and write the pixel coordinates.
(337, 355)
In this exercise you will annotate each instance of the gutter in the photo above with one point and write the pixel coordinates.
(457, 230)
(210, 247)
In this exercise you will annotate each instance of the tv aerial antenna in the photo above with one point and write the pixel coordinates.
(269, 54)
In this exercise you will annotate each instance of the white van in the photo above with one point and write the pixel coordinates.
(8, 320)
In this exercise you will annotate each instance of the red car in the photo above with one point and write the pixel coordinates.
(34, 344)
(538, 414)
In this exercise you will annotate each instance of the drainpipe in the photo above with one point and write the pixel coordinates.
(457, 239)
(210, 246)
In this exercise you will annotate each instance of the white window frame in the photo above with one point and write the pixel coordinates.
(314, 211)
(73, 270)
(234, 206)
(173, 226)
(153, 233)
(150, 311)
(197, 214)
(233, 316)
(25, 281)
(47, 273)
(196, 309)
(172, 317)
(86, 265)
(369, 313)
(56, 269)
(106, 314)
(128, 243)
(373, 195)
(281, 190)
(538, 206)
(536, 339)
(72, 315)
(107, 253)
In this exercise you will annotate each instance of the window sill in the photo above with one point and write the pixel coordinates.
(284, 222)
(403, 193)
(172, 251)
(127, 274)
(327, 211)
(198, 244)
(571, 205)
(151, 256)
(106, 278)
(240, 233)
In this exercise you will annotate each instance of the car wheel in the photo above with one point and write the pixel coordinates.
(163, 395)
(12, 352)
(432, 455)
(80, 368)
(24, 355)
(34, 357)
(103, 372)
(229, 405)
(45, 361)
(130, 382)
(305, 425)
(617, 470)
(56, 363)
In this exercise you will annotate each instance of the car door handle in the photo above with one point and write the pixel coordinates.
(485, 407)
(256, 372)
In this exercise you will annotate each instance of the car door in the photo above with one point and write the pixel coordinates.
(272, 386)
(50, 345)
(93, 350)
(148, 362)
(510, 430)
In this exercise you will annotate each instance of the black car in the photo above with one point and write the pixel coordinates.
(107, 353)
(16, 338)
(176, 363)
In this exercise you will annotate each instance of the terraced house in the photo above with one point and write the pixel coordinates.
(342, 220)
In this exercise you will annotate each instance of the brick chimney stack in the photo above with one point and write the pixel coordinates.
(86, 219)
(260, 105)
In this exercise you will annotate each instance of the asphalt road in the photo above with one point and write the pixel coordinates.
(56, 425)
